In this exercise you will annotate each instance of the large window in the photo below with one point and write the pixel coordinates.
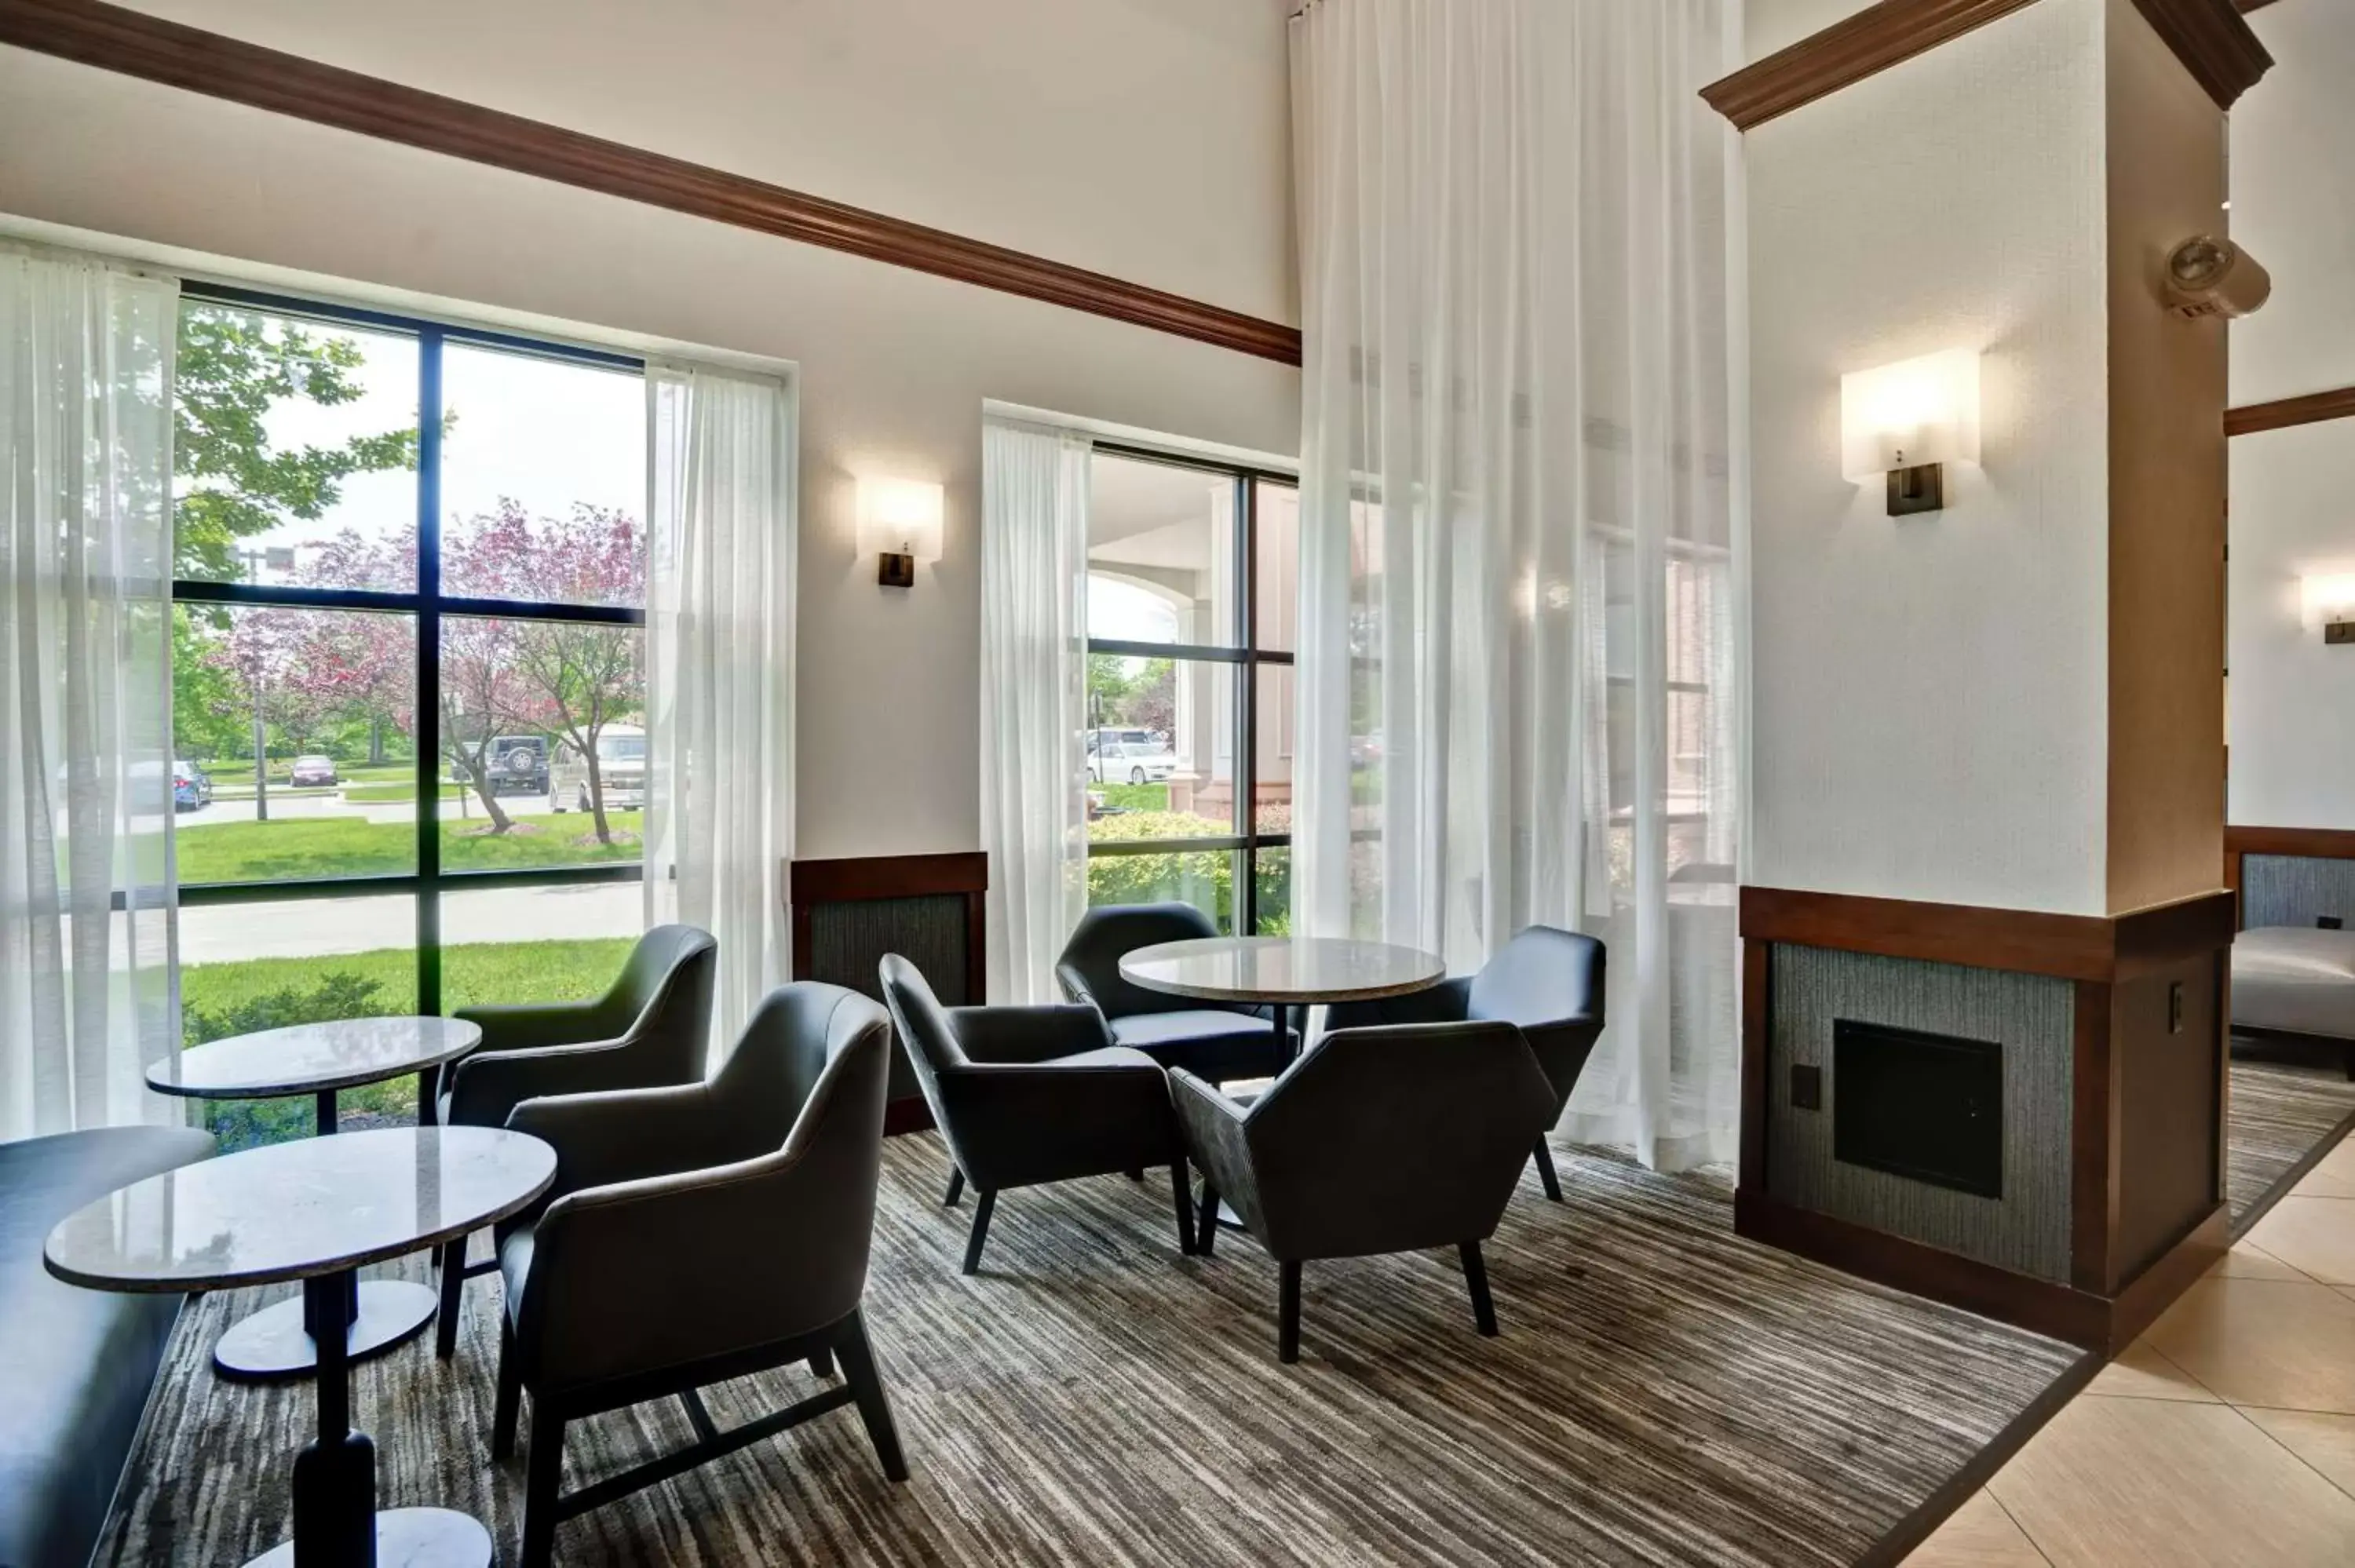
(409, 671)
(1191, 574)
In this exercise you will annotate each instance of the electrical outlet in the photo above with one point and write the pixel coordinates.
(2329, 922)
(2175, 1008)
(1806, 1087)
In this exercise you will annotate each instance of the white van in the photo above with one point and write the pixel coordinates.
(621, 768)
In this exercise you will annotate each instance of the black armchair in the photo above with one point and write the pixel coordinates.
(1547, 980)
(699, 1234)
(1025, 1095)
(1375, 1141)
(651, 1029)
(1212, 1040)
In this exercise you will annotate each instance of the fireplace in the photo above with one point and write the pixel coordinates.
(1918, 1105)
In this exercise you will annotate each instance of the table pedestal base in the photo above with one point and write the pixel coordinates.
(276, 1342)
(412, 1538)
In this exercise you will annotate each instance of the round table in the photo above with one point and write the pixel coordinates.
(1289, 972)
(315, 1211)
(318, 1059)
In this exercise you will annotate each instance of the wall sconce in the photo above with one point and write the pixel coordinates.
(1907, 419)
(900, 524)
(2329, 603)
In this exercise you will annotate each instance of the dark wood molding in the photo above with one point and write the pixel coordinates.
(2066, 947)
(2214, 42)
(1845, 53)
(2094, 1142)
(2310, 844)
(2155, 1289)
(2248, 6)
(2208, 36)
(1892, 1549)
(134, 43)
(2283, 412)
(885, 876)
(1757, 1041)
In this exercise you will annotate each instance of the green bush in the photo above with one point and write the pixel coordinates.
(1203, 877)
(241, 1124)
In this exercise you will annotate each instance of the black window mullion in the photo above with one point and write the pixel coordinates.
(429, 674)
(1247, 703)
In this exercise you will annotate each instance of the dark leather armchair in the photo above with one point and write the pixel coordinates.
(1375, 1141)
(1025, 1095)
(1211, 1039)
(698, 1233)
(651, 1029)
(1547, 980)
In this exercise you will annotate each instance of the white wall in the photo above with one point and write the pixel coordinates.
(2292, 709)
(1929, 694)
(1149, 139)
(895, 365)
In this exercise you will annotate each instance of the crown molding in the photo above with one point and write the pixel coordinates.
(136, 44)
(2209, 36)
(2283, 412)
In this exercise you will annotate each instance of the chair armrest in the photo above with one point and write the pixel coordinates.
(1213, 1127)
(485, 1089)
(1449, 1001)
(1028, 1034)
(631, 1135)
(522, 1026)
(1075, 985)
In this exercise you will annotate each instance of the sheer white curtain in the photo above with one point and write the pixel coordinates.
(1034, 628)
(87, 995)
(719, 671)
(1519, 674)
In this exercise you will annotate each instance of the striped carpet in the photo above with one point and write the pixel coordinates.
(1664, 1393)
(2282, 1113)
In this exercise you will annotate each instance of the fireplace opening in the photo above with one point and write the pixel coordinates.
(1928, 1107)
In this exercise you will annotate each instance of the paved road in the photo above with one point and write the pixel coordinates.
(226, 933)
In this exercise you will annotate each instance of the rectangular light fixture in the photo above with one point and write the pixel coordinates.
(2328, 600)
(1906, 420)
(900, 523)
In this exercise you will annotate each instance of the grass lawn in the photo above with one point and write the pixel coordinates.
(272, 993)
(1135, 797)
(327, 846)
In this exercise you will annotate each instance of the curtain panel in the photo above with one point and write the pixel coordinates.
(1519, 676)
(1034, 825)
(87, 997)
(719, 671)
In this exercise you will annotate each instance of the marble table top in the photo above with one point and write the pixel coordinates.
(1290, 969)
(311, 1058)
(288, 1210)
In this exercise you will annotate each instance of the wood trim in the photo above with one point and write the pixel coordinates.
(2214, 42)
(133, 43)
(1845, 53)
(2041, 1305)
(1958, 1488)
(2066, 947)
(856, 879)
(2283, 412)
(1757, 1040)
(2208, 36)
(2248, 6)
(2094, 1142)
(2312, 843)
(2155, 1289)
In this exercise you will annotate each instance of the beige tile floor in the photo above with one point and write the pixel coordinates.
(2224, 1435)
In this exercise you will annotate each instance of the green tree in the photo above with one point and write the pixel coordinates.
(233, 366)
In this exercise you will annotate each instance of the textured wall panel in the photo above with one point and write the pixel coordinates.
(2032, 1015)
(2292, 889)
(847, 942)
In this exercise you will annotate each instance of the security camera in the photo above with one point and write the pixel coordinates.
(2210, 277)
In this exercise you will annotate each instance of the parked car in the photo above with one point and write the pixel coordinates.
(1100, 738)
(191, 791)
(518, 764)
(1137, 763)
(621, 768)
(313, 772)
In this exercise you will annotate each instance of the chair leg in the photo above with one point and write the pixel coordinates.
(874, 1405)
(982, 1207)
(1136, 1172)
(1476, 1278)
(1206, 1222)
(543, 1471)
(1287, 1312)
(1545, 1171)
(821, 1364)
(453, 1292)
(510, 1398)
(1184, 1195)
(956, 1188)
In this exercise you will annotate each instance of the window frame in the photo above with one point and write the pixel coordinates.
(427, 605)
(1245, 654)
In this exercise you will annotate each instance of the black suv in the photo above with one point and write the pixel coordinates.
(518, 764)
